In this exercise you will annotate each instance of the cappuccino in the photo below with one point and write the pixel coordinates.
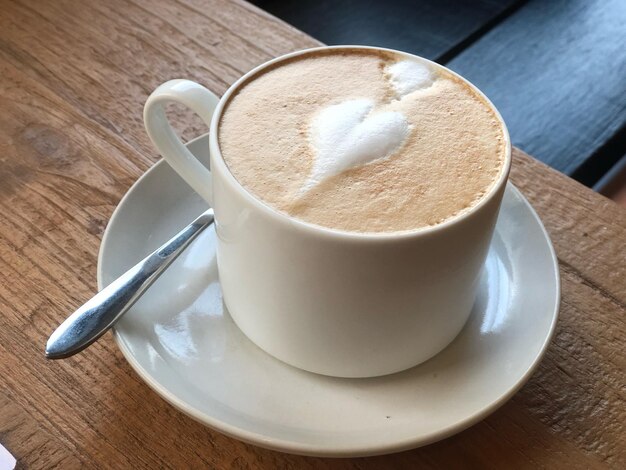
(362, 141)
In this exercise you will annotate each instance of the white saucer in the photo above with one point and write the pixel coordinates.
(181, 340)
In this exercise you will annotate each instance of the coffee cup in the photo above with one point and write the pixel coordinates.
(330, 301)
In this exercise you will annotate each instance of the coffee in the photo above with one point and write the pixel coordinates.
(363, 141)
(359, 140)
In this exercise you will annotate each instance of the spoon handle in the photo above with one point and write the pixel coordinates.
(100, 313)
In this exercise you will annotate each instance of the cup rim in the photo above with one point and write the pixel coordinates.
(216, 158)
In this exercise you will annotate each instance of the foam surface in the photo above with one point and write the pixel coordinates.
(348, 135)
(362, 141)
(408, 76)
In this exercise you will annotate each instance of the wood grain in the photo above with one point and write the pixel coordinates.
(34, 447)
(73, 79)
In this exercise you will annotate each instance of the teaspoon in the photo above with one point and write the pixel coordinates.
(100, 313)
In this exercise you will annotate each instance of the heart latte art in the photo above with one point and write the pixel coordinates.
(352, 133)
(347, 135)
(361, 140)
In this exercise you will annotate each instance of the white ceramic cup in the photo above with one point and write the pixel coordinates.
(332, 302)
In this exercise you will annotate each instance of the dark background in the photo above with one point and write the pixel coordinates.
(556, 69)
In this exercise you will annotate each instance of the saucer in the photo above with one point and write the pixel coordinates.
(181, 340)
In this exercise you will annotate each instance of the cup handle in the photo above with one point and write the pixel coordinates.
(203, 103)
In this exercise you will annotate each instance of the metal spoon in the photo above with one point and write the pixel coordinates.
(100, 313)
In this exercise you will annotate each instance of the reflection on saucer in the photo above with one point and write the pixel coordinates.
(494, 298)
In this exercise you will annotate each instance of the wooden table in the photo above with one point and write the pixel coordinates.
(73, 79)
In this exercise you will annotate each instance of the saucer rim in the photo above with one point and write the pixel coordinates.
(300, 448)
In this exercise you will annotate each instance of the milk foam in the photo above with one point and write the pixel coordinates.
(408, 76)
(345, 135)
(349, 134)
(362, 141)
